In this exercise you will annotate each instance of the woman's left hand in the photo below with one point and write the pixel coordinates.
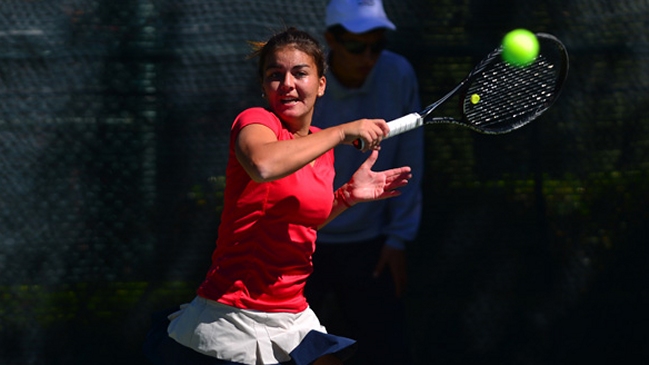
(367, 185)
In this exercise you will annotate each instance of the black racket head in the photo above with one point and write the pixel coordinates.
(498, 97)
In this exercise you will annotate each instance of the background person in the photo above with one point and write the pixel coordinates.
(360, 260)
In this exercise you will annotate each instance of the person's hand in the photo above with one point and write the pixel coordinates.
(367, 185)
(395, 260)
(370, 131)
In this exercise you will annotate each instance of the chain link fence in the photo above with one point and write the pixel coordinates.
(114, 121)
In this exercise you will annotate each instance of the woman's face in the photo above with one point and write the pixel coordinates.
(292, 85)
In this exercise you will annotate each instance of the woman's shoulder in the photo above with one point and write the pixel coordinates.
(256, 111)
(257, 115)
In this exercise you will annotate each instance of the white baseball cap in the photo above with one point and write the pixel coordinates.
(358, 16)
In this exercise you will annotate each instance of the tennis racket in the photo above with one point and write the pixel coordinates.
(496, 97)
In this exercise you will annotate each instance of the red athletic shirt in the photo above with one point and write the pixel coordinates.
(268, 230)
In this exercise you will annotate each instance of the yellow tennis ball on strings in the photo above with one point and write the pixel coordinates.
(520, 47)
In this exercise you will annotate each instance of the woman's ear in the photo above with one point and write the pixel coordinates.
(323, 86)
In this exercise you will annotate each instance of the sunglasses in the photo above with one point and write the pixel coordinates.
(358, 47)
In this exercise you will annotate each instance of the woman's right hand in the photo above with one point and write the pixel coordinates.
(370, 131)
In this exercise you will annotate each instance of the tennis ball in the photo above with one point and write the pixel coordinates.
(520, 47)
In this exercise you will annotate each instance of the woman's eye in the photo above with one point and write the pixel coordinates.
(274, 76)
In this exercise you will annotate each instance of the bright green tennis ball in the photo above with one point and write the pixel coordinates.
(520, 47)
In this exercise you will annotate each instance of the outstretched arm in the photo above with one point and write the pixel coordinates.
(367, 185)
(265, 158)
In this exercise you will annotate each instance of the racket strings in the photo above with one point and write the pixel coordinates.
(505, 97)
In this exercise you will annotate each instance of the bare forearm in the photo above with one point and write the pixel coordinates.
(266, 159)
(276, 159)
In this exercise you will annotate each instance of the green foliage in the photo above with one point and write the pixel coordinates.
(35, 305)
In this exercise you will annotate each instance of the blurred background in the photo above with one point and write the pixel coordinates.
(114, 121)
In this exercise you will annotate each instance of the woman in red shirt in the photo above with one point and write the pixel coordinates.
(250, 309)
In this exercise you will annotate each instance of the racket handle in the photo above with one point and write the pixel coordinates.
(398, 126)
(404, 124)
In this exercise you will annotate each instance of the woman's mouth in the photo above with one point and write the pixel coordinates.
(289, 101)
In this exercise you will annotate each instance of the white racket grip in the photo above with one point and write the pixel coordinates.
(404, 124)
(398, 126)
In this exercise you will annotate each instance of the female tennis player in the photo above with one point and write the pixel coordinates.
(250, 309)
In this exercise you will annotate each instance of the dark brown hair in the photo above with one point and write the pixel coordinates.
(293, 37)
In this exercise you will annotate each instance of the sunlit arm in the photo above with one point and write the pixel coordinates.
(265, 158)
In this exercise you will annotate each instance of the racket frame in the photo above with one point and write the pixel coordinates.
(418, 119)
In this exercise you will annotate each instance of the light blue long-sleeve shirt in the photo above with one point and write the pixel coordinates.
(390, 91)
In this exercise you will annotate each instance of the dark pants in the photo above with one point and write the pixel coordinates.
(350, 302)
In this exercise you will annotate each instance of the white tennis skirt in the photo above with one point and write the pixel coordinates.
(253, 337)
